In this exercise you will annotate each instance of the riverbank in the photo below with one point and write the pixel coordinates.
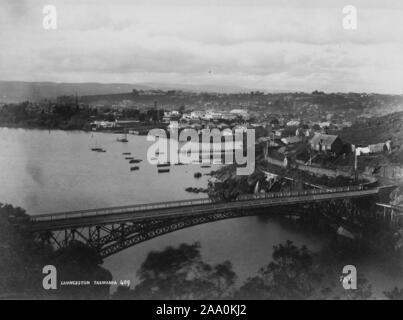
(229, 185)
(360, 220)
(56, 171)
(140, 129)
(80, 264)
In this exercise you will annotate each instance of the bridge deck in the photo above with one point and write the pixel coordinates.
(173, 209)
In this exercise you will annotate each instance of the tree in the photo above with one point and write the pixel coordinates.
(180, 273)
(22, 257)
(294, 274)
(291, 275)
(395, 294)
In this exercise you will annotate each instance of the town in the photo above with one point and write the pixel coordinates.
(334, 131)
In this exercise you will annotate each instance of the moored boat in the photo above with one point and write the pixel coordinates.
(123, 139)
(135, 161)
(159, 165)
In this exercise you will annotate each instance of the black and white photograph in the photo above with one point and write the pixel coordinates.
(197, 150)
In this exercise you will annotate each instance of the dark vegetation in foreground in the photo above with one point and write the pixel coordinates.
(294, 273)
(23, 256)
(173, 273)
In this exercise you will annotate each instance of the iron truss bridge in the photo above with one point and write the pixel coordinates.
(110, 230)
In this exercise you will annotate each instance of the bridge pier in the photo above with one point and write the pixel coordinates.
(392, 213)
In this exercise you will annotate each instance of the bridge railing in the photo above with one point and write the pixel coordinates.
(119, 209)
(299, 193)
(183, 203)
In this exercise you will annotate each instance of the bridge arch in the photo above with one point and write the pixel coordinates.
(110, 230)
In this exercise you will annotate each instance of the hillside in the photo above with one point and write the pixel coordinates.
(16, 91)
(377, 130)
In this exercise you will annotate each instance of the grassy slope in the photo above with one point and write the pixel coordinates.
(379, 130)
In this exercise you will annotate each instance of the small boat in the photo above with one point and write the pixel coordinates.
(123, 139)
(205, 166)
(129, 158)
(163, 170)
(126, 153)
(134, 168)
(135, 161)
(168, 164)
(96, 148)
(179, 164)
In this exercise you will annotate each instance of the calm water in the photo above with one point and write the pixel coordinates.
(55, 171)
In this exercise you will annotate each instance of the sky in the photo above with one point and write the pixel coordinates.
(251, 44)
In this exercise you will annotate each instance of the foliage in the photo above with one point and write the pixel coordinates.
(64, 114)
(21, 257)
(395, 294)
(296, 273)
(180, 273)
(291, 275)
(77, 262)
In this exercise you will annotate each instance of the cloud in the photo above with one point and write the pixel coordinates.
(260, 45)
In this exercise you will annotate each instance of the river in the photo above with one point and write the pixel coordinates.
(52, 171)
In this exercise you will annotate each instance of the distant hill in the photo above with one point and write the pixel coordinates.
(15, 91)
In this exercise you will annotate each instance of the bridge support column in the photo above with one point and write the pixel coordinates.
(89, 235)
(122, 231)
(98, 228)
(66, 237)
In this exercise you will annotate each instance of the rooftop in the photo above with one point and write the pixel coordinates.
(325, 139)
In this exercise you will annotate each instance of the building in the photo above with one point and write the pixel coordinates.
(362, 151)
(126, 123)
(303, 132)
(380, 147)
(278, 133)
(326, 143)
(325, 124)
(173, 126)
(293, 123)
(377, 148)
(195, 115)
(186, 116)
(212, 115)
(241, 128)
(103, 124)
(291, 140)
(240, 112)
(171, 115)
